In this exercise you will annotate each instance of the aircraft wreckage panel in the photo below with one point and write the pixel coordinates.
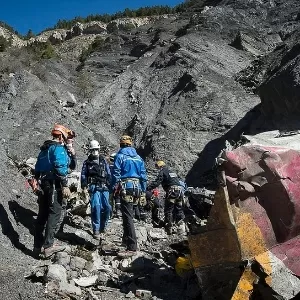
(265, 182)
(255, 219)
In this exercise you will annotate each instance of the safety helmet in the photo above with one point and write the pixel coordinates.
(126, 140)
(62, 130)
(94, 145)
(160, 163)
(112, 157)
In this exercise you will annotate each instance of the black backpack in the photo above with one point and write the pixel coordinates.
(97, 172)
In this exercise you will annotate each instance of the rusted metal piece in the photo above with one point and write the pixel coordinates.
(255, 220)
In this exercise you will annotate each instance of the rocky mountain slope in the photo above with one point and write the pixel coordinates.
(181, 86)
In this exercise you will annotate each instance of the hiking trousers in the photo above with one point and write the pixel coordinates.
(100, 208)
(129, 235)
(49, 214)
(173, 208)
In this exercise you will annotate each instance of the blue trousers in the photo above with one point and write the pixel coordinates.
(100, 208)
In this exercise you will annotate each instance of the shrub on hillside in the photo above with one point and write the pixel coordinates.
(97, 45)
(127, 13)
(4, 43)
(42, 50)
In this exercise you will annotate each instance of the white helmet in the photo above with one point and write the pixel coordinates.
(94, 145)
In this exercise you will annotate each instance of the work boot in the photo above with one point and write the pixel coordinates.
(118, 214)
(96, 235)
(48, 252)
(36, 252)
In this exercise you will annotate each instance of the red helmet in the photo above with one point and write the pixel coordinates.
(64, 131)
(155, 192)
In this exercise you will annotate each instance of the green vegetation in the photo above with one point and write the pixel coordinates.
(84, 84)
(127, 13)
(29, 34)
(42, 50)
(4, 43)
(97, 45)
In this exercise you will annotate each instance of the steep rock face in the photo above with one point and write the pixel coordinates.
(15, 40)
(280, 91)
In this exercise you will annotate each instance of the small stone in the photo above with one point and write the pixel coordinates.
(62, 258)
(130, 295)
(77, 263)
(102, 278)
(86, 273)
(143, 294)
(69, 288)
(56, 273)
(115, 264)
(86, 281)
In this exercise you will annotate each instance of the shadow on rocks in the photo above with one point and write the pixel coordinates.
(22, 215)
(9, 231)
(154, 279)
(75, 240)
(202, 172)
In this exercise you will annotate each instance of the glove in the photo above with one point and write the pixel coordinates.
(143, 200)
(66, 193)
(86, 196)
(35, 186)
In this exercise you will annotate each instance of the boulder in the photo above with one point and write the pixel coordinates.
(77, 263)
(94, 28)
(62, 258)
(69, 289)
(57, 37)
(86, 281)
(56, 273)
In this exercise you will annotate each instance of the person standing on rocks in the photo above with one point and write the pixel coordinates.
(173, 199)
(95, 182)
(52, 167)
(129, 180)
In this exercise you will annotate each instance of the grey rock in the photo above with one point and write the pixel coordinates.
(86, 281)
(56, 273)
(77, 263)
(57, 37)
(143, 294)
(130, 295)
(62, 258)
(85, 273)
(95, 28)
(141, 234)
(157, 234)
(69, 289)
(102, 278)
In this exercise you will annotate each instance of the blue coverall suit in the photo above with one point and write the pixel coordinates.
(96, 175)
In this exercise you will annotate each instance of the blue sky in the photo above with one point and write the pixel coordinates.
(40, 14)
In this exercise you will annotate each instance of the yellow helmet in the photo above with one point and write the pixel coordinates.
(126, 140)
(160, 163)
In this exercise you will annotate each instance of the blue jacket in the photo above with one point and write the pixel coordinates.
(128, 164)
(53, 161)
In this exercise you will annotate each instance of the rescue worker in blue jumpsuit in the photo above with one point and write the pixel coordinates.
(95, 182)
